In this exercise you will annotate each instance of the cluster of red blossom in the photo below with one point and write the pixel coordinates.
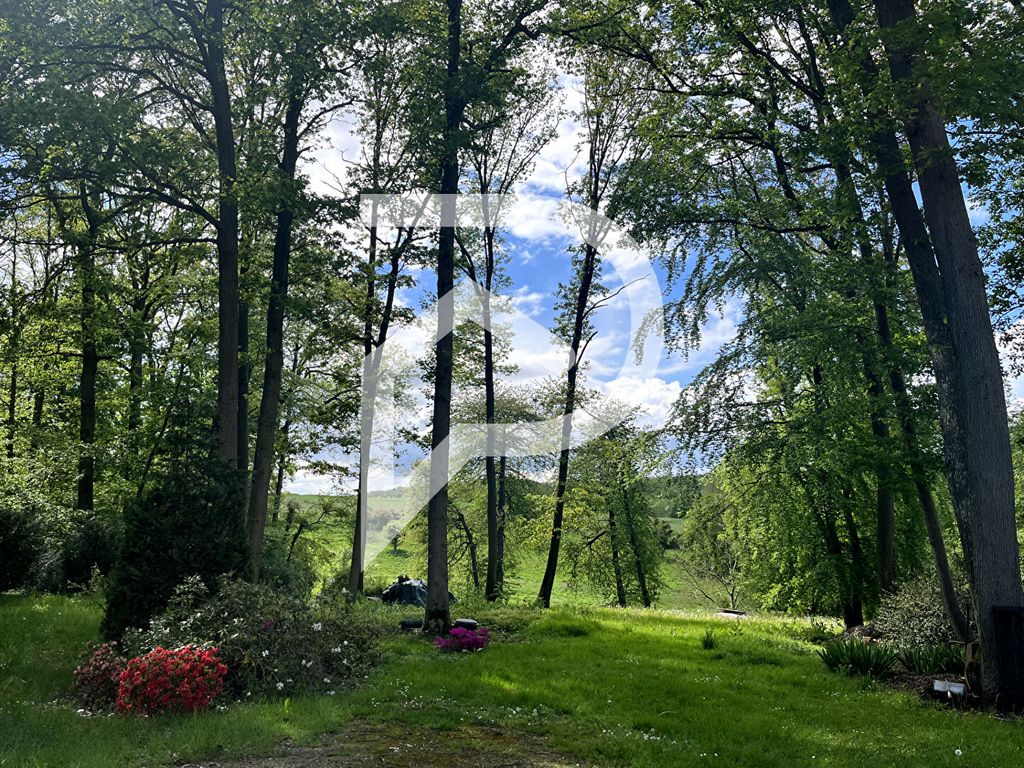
(187, 679)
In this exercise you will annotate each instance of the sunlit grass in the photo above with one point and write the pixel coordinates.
(619, 688)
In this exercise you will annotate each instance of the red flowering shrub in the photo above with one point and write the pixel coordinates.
(186, 679)
(96, 681)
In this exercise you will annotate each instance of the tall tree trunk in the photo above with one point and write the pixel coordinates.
(13, 352)
(86, 251)
(357, 567)
(973, 409)
(437, 618)
(273, 365)
(283, 457)
(244, 378)
(855, 611)
(474, 563)
(228, 323)
(885, 511)
(634, 543)
(12, 394)
(579, 323)
(933, 527)
(279, 480)
(38, 408)
(620, 587)
(500, 544)
(367, 407)
(885, 499)
(373, 348)
(548, 582)
(494, 549)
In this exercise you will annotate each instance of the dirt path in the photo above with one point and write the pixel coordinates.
(362, 745)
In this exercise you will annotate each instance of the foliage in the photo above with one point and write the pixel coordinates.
(708, 642)
(97, 679)
(461, 639)
(712, 552)
(20, 543)
(914, 615)
(182, 526)
(612, 542)
(852, 656)
(933, 659)
(186, 679)
(91, 547)
(273, 643)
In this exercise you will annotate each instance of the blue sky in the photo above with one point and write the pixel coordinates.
(537, 240)
(537, 243)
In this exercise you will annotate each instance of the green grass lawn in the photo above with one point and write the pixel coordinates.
(612, 688)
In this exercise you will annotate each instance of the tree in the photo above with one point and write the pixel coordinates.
(310, 76)
(497, 49)
(611, 110)
(499, 156)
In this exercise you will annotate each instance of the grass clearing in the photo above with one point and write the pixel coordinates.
(610, 687)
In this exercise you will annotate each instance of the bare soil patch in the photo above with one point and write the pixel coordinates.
(364, 744)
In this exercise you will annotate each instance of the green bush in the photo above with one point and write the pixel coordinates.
(914, 614)
(184, 525)
(20, 543)
(272, 642)
(855, 657)
(933, 659)
(708, 642)
(91, 546)
(295, 574)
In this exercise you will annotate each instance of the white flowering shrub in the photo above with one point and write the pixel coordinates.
(274, 644)
(914, 614)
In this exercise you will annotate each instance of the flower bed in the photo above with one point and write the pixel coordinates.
(464, 640)
(187, 679)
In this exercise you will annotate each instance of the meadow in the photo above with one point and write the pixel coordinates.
(569, 686)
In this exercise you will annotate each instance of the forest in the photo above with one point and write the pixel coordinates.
(664, 353)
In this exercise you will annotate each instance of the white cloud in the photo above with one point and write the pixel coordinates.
(653, 397)
(529, 302)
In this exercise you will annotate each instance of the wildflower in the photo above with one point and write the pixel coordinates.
(265, 654)
(280, 686)
(317, 626)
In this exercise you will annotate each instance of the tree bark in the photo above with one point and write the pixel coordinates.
(373, 348)
(437, 617)
(620, 587)
(548, 582)
(502, 504)
(12, 394)
(273, 366)
(228, 323)
(495, 550)
(579, 323)
(474, 563)
(973, 409)
(634, 543)
(86, 251)
(933, 526)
